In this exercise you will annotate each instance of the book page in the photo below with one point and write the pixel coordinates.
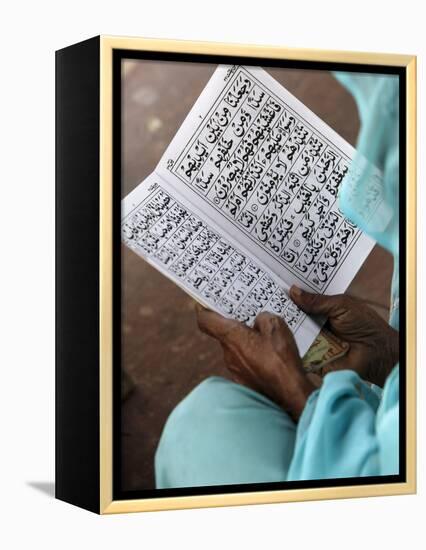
(268, 170)
(216, 271)
(244, 203)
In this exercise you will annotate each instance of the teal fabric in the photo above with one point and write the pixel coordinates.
(224, 433)
(348, 430)
(372, 202)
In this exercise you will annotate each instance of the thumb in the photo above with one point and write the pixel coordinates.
(317, 304)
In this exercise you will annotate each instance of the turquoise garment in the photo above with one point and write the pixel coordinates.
(372, 203)
(348, 429)
(224, 433)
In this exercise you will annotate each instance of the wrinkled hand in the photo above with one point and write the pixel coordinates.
(264, 358)
(374, 345)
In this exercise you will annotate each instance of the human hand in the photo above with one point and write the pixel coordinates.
(373, 343)
(265, 358)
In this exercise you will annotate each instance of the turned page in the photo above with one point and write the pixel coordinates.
(244, 203)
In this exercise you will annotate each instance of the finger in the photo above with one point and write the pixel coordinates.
(336, 365)
(278, 332)
(315, 379)
(268, 323)
(318, 304)
(213, 323)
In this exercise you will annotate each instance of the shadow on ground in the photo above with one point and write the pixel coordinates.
(46, 487)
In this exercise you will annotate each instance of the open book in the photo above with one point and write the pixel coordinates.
(244, 203)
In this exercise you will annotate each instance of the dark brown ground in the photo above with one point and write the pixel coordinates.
(162, 351)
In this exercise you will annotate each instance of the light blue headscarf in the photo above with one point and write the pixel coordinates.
(349, 428)
(370, 201)
(377, 99)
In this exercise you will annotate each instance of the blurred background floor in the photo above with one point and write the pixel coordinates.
(163, 353)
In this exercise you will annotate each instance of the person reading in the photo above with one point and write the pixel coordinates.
(273, 421)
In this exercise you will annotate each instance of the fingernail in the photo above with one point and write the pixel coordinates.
(296, 291)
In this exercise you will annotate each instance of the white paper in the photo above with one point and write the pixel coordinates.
(252, 167)
(212, 268)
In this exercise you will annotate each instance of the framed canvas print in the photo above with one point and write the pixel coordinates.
(235, 274)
